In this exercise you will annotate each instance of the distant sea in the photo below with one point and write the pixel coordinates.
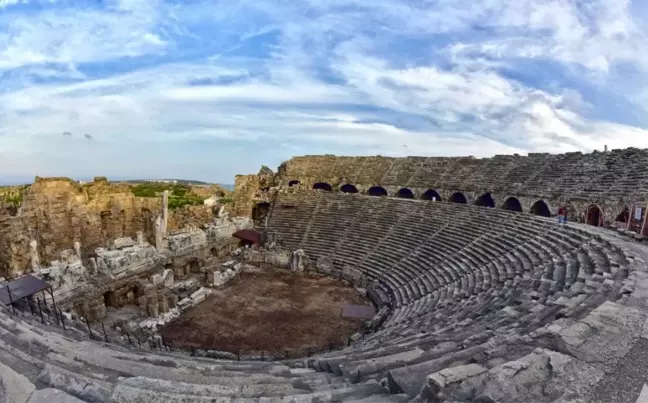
(228, 187)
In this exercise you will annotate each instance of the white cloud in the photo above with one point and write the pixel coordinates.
(185, 88)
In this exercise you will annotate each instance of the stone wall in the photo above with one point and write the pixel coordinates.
(56, 212)
(611, 180)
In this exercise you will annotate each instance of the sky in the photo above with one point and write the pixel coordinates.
(208, 89)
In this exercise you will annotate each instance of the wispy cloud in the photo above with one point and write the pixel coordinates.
(208, 89)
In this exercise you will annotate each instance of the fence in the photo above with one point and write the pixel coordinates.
(95, 330)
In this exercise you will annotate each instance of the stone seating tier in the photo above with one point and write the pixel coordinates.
(467, 288)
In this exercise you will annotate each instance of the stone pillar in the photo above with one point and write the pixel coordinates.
(140, 238)
(297, 263)
(77, 249)
(158, 233)
(33, 254)
(165, 211)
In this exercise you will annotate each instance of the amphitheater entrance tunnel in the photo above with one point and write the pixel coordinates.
(431, 194)
(127, 295)
(540, 208)
(512, 204)
(260, 211)
(377, 191)
(323, 186)
(623, 216)
(348, 189)
(594, 216)
(293, 183)
(485, 200)
(458, 197)
(405, 193)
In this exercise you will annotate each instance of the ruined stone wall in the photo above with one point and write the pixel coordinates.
(190, 216)
(56, 212)
(611, 180)
(245, 189)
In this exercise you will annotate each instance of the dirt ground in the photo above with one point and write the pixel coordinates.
(273, 310)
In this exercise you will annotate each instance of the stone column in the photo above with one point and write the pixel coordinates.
(33, 254)
(158, 233)
(297, 263)
(77, 249)
(140, 238)
(165, 211)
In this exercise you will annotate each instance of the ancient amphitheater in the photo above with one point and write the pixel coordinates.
(479, 294)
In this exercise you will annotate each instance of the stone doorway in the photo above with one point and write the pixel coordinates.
(540, 208)
(512, 204)
(485, 200)
(260, 211)
(594, 216)
(458, 197)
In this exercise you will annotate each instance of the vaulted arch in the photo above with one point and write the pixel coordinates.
(623, 216)
(540, 208)
(485, 200)
(405, 193)
(377, 191)
(458, 197)
(293, 182)
(323, 186)
(348, 188)
(431, 194)
(512, 204)
(594, 215)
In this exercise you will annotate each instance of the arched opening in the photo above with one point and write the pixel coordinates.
(348, 189)
(109, 299)
(594, 216)
(623, 216)
(322, 186)
(405, 193)
(512, 204)
(260, 211)
(431, 194)
(485, 200)
(293, 183)
(213, 252)
(540, 208)
(377, 191)
(458, 197)
(192, 267)
(133, 294)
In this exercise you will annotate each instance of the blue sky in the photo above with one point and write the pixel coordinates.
(208, 89)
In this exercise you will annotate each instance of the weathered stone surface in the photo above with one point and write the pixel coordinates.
(438, 381)
(603, 336)
(52, 396)
(14, 387)
(56, 212)
(542, 376)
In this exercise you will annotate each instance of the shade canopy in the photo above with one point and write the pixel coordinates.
(249, 235)
(20, 288)
(358, 311)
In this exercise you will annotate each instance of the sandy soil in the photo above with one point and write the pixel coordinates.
(270, 310)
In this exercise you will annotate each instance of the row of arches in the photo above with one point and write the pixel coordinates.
(593, 215)
(486, 200)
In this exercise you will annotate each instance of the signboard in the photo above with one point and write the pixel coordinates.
(638, 214)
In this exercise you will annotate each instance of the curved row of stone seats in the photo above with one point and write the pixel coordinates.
(465, 278)
(291, 217)
(73, 370)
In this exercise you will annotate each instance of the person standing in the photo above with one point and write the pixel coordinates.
(562, 215)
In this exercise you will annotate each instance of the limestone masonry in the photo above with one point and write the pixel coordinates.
(611, 180)
(480, 294)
